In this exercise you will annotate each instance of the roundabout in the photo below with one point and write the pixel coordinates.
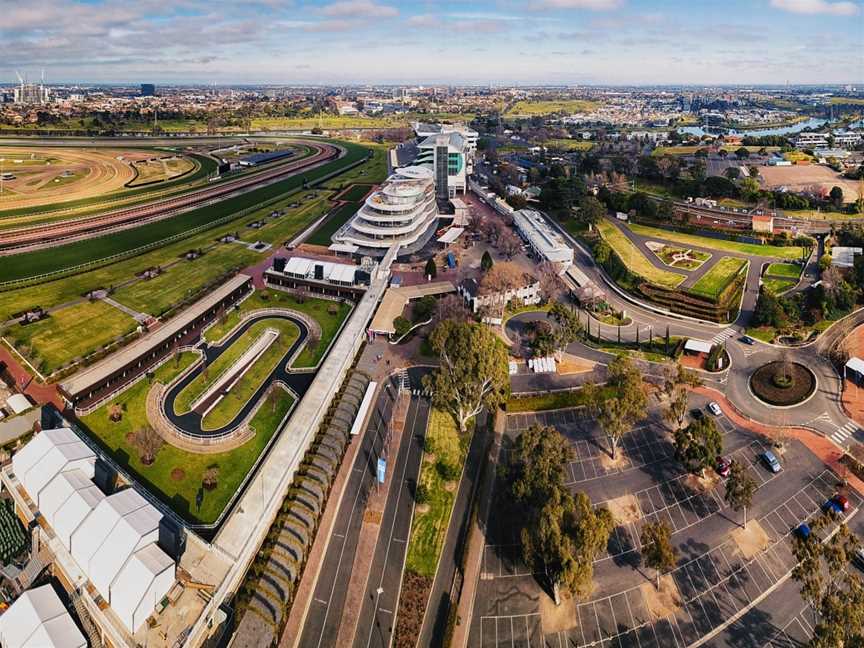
(783, 384)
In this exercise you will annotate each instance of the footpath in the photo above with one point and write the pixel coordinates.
(821, 446)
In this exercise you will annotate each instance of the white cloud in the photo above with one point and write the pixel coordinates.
(359, 9)
(594, 5)
(843, 8)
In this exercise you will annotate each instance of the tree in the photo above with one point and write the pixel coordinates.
(591, 210)
(618, 415)
(742, 153)
(473, 371)
(732, 173)
(677, 375)
(486, 262)
(210, 479)
(431, 269)
(498, 284)
(148, 442)
(115, 412)
(551, 283)
(676, 410)
(740, 487)
(568, 328)
(657, 550)
(452, 307)
(509, 243)
(698, 445)
(768, 311)
(401, 325)
(836, 196)
(561, 534)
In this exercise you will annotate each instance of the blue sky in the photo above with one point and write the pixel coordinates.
(422, 41)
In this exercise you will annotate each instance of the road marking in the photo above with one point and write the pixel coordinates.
(317, 600)
(844, 432)
(723, 336)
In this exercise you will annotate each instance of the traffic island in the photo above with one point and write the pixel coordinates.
(783, 384)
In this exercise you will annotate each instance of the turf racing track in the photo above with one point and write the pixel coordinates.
(297, 382)
(31, 238)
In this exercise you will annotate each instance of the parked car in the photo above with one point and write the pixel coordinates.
(802, 531)
(748, 340)
(723, 466)
(838, 504)
(715, 409)
(858, 558)
(771, 461)
(697, 414)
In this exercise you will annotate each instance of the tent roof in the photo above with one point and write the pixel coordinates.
(38, 618)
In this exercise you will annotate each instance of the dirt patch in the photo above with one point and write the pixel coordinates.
(704, 484)
(372, 517)
(572, 365)
(429, 458)
(178, 475)
(557, 618)
(664, 602)
(450, 486)
(752, 540)
(620, 461)
(693, 362)
(802, 177)
(624, 509)
(412, 605)
(420, 509)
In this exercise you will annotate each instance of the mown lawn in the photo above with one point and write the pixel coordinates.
(787, 270)
(764, 333)
(569, 144)
(777, 286)
(227, 408)
(718, 277)
(317, 309)
(444, 445)
(176, 475)
(633, 258)
(70, 333)
(752, 249)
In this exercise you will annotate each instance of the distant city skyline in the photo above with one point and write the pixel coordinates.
(503, 42)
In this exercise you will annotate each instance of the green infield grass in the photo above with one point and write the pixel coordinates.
(633, 258)
(718, 277)
(234, 401)
(176, 475)
(432, 517)
(750, 249)
(70, 333)
(785, 270)
(355, 193)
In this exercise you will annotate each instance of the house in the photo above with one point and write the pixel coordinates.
(479, 300)
(762, 223)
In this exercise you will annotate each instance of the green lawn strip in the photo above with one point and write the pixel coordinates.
(70, 333)
(184, 400)
(550, 401)
(227, 408)
(429, 526)
(569, 144)
(374, 171)
(764, 333)
(753, 249)
(778, 286)
(62, 290)
(355, 192)
(633, 258)
(321, 236)
(66, 256)
(787, 270)
(181, 493)
(714, 282)
(531, 108)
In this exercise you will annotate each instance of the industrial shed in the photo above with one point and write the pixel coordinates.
(39, 620)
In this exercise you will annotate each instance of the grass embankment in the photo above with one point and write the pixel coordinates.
(228, 408)
(634, 260)
(551, 401)
(750, 249)
(176, 475)
(70, 333)
(443, 460)
(327, 313)
(61, 257)
(787, 270)
(532, 108)
(712, 284)
(778, 286)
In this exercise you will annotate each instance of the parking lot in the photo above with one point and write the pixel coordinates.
(723, 571)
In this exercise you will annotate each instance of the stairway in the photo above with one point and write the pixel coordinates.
(90, 628)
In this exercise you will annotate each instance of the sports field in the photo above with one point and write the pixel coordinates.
(714, 282)
(633, 258)
(176, 475)
(750, 249)
(69, 333)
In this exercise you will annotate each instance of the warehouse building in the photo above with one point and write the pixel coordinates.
(543, 240)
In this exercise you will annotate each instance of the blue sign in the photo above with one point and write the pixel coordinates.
(382, 470)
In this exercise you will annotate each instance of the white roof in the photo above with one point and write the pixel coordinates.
(18, 403)
(303, 267)
(298, 265)
(341, 273)
(39, 620)
(145, 579)
(47, 455)
(132, 532)
(542, 237)
(451, 235)
(856, 364)
(844, 257)
(364, 408)
(343, 247)
(699, 346)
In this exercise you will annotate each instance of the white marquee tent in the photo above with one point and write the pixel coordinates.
(49, 454)
(39, 620)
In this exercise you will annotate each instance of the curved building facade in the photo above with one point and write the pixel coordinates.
(402, 211)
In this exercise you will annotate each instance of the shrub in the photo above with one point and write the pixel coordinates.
(421, 494)
(448, 471)
(402, 325)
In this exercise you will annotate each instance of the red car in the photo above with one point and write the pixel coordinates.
(841, 502)
(723, 466)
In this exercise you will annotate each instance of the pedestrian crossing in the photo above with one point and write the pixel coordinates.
(844, 432)
(724, 335)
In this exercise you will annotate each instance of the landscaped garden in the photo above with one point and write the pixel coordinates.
(633, 258)
(177, 476)
(677, 257)
(783, 383)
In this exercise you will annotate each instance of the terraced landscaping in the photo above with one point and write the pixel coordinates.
(676, 257)
(778, 286)
(787, 270)
(715, 281)
(750, 249)
(633, 258)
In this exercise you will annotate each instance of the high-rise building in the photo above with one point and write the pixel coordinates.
(403, 210)
(447, 155)
(148, 90)
(30, 93)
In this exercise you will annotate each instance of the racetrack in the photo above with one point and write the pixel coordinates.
(25, 239)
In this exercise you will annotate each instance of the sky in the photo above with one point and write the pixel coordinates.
(588, 42)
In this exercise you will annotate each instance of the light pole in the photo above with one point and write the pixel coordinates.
(2, 160)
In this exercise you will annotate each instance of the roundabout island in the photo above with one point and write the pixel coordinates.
(783, 384)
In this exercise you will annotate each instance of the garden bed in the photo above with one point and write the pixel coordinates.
(677, 257)
(783, 383)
